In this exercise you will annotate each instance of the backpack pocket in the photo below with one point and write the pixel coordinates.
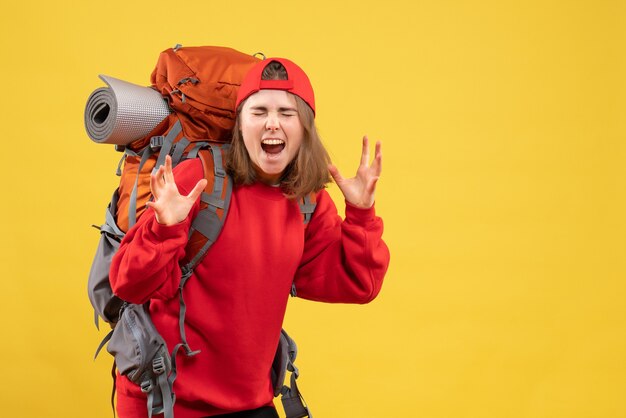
(136, 344)
(141, 355)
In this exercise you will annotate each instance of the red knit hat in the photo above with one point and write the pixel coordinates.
(297, 82)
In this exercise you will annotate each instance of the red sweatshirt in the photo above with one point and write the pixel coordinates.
(237, 297)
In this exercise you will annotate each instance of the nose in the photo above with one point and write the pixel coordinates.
(272, 123)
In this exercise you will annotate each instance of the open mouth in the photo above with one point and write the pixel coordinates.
(272, 146)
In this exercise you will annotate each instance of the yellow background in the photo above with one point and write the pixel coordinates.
(503, 197)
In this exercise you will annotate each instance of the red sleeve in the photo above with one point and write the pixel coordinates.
(146, 265)
(343, 261)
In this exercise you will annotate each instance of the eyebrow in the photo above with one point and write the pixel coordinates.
(280, 109)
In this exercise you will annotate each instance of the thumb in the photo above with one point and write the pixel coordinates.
(371, 186)
(197, 190)
(334, 172)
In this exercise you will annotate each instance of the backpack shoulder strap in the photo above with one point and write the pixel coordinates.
(207, 225)
(214, 204)
(307, 207)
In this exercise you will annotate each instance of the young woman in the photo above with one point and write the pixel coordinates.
(237, 297)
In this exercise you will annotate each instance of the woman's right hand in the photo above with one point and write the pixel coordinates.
(170, 207)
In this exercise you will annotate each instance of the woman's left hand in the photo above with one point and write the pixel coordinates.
(359, 190)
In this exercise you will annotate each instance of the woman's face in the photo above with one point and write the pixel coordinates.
(272, 132)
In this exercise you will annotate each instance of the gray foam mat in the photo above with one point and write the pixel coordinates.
(123, 112)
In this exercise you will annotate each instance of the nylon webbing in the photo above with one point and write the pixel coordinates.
(207, 222)
(179, 148)
(102, 343)
(167, 144)
(214, 230)
(216, 150)
(110, 226)
(193, 153)
(150, 396)
(181, 317)
(307, 208)
(127, 152)
(147, 152)
(114, 376)
(293, 402)
(173, 372)
(212, 200)
(163, 385)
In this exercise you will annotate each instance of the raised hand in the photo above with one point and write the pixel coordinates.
(170, 207)
(359, 190)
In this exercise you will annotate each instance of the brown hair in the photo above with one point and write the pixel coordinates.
(308, 172)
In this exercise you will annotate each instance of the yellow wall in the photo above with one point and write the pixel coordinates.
(503, 196)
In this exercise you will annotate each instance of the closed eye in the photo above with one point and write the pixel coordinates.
(258, 110)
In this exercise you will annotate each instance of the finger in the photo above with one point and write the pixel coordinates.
(334, 172)
(365, 152)
(154, 206)
(197, 190)
(151, 204)
(158, 175)
(154, 185)
(377, 164)
(169, 176)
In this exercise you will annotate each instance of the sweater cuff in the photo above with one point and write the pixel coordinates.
(359, 215)
(165, 232)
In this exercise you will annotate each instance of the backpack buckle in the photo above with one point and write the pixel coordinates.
(158, 365)
(156, 142)
(147, 386)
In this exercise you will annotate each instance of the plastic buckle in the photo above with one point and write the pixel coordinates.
(156, 142)
(220, 172)
(158, 365)
(147, 386)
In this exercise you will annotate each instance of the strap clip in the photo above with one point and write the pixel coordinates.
(156, 142)
(158, 365)
(147, 386)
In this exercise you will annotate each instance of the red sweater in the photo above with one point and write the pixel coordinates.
(237, 297)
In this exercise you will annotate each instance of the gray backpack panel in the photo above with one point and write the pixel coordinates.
(104, 302)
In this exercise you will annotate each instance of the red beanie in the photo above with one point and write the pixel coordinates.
(297, 82)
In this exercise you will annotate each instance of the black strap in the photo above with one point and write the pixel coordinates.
(114, 375)
(103, 342)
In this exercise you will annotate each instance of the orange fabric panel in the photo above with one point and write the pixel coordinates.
(208, 108)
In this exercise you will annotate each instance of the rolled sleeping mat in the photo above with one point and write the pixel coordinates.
(123, 112)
